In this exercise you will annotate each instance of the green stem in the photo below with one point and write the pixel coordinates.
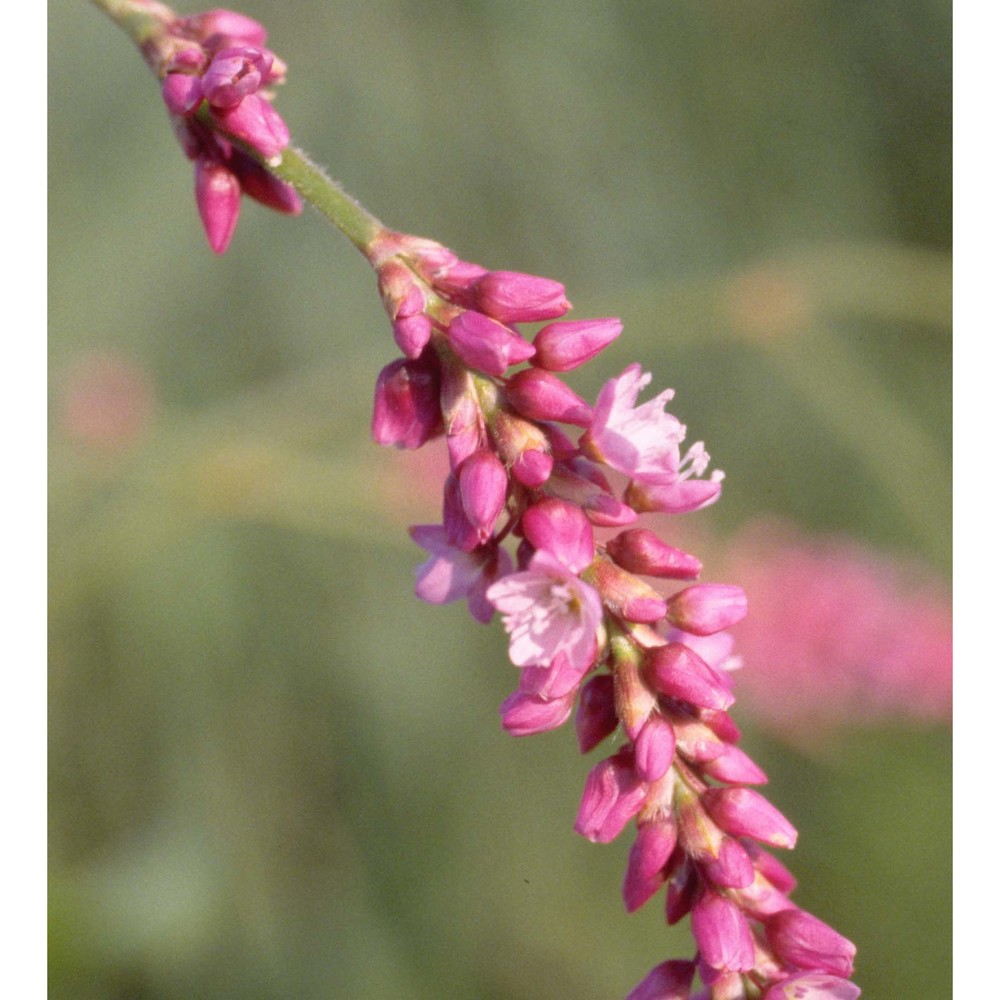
(328, 197)
(140, 21)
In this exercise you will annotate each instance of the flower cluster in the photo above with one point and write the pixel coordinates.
(213, 68)
(587, 629)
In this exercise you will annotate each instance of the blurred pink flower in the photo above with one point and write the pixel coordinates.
(837, 634)
(107, 402)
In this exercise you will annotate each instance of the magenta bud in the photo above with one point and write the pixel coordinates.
(181, 93)
(217, 194)
(519, 298)
(562, 529)
(235, 73)
(772, 869)
(640, 551)
(706, 608)
(532, 467)
(682, 885)
(482, 481)
(412, 334)
(561, 347)
(540, 396)
(732, 868)
(678, 672)
(627, 595)
(612, 795)
(524, 715)
(722, 934)
(654, 749)
(595, 714)
(407, 409)
(804, 942)
(263, 186)
(485, 344)
(401, 293)
(228, 24)
(743, 812)
(721, 723)
(732, 765)
(254, 122)
(667, 981)
(813, 986)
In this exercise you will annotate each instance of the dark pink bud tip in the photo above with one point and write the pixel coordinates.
(743, 812)
(707, 608)
(407, 408)
(256, 123)
(722, 933)
(263, 186)
(181, 93)
(595, 715)
(805, 942)
(640, 551)
(540, 396)
(561, 347)
(235, 73)
(217, 194)
(679, 672)
(519, 298)
(668, 981)
(485, 344)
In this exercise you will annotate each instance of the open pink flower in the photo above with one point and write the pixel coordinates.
(642, 441)
(451, 574)
(548, 609)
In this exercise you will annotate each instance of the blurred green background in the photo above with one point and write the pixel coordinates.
(273, 772)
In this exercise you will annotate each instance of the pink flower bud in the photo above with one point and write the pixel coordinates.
(525, 715)
(654, 749)
(722, 933)
(255, 122)
(732, 868)
(485, 344)
(804, 942)
(706, 608)
(595, 713)
(668, 981)
(217, 194)
(743, 812)
(682, 884)
(628, 596)
(463, 418)
(532, 467)
(734, 766)
(482, 481)
(181, 93)
(228, 24)
(679, 672)
(235, 73)
(412, 334)
(561, 347)
(772, 869)
(262, 186)
(612, 795)
(407, 411)
(540, 396)
(562, 529)
(813, 986)
(640, 551)
(519, 298)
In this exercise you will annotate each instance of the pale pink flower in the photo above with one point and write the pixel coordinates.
(642, 441)
(451, 574)
(813, 986)
(548, 609)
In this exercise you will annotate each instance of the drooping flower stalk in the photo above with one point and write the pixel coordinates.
(587, 630)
